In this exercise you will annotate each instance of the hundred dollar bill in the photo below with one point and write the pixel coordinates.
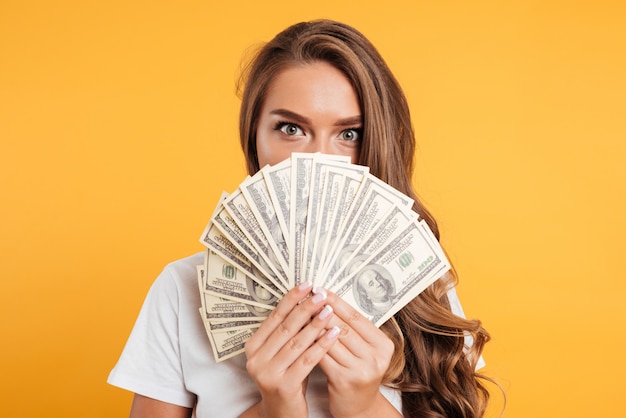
(351, 257)
(311, 217)
(231, 230)
(213, 311)
(257, 195)
(333, 176)
(213, 238)
(369, 182)
(278, 179)
(225, 280)
(394, 275)
(321, 164)
(229, 343)
(333, 179)
(221, 325)
(239, 209)
(300, 180)
(301, 167)
(438, 271)
(314, 190)
(428, 233)
(349, 188)
(243, 277)
(373, 207)
(219, 310)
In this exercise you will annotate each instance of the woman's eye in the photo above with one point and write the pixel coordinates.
(290, 129)
(351, 135)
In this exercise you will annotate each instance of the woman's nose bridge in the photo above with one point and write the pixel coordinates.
(321, 143)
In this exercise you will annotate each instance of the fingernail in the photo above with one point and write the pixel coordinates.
(325, 312)
(320, 295)
(333, 333)
(305, 285)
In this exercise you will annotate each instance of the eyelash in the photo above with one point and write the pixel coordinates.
(281, 124)
(358, 131)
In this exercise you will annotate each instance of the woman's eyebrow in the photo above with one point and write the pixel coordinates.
(349, 121)
(291, 115)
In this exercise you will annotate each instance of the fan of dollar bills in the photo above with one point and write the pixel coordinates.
(312, 217)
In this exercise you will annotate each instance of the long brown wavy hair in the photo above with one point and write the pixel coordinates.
(431, 365)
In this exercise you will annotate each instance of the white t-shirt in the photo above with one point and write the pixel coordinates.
(168, 355)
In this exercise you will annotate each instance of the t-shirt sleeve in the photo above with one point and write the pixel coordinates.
(150, 364)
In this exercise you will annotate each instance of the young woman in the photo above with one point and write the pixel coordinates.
(317, 86)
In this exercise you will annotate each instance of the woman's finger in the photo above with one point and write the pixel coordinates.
(357, 331)
(298, 331)
(277, 316)
(315, 354)
(297, 345)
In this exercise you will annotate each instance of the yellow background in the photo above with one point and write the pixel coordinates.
(118, 132)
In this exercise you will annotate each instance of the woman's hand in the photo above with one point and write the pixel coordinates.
(355, 366)
(285, 349)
